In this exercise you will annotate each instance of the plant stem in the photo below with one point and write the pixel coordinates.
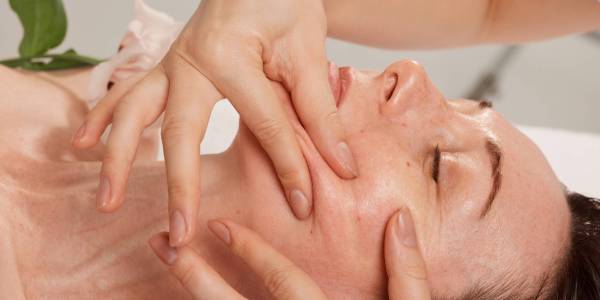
(70, 57)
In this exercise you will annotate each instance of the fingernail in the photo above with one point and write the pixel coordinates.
(300, 204)
(103, 194)
(79, 134)
(176, 229)
(345, 156)
(406, 229)
(160, 245)
(220, 230)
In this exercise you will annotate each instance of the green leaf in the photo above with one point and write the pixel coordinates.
(44, 25)
(68, 60)
(49, 62)
(11, 63)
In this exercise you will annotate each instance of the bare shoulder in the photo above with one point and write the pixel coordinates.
(40, 111)
(73, 80)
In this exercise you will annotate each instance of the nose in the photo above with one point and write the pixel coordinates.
(408, 88)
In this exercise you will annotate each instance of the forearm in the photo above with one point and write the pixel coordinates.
(435, 24)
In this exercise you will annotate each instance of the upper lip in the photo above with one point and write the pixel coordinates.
(345, 78)
(334, 81)
(340, 79)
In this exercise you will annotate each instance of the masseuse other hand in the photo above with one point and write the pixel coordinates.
(230, 49)
(403, 261)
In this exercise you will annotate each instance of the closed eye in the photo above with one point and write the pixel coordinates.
(435, 167)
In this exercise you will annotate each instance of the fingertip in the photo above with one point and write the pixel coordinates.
(298, 190)
(346, 160)
(76, 141)
(192, 271)
(110, 194)
(104, 194)
(300, 203)
(177, 229)
(220, 230)
(316, 107)
(299, 194)
(96, 122)
(88, 138)
(181, 228)
(336, 151)
(400, 235)
(405, 229)
(405, 266)
(159, 243)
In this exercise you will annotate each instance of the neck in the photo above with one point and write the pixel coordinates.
(237, 179)
(240, 185)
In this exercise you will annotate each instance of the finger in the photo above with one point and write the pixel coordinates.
(282, 278)
(256, 101)
(197, 276)
(191, 99)
(138, 109)
(316, 107)
(407, 274)
(101, 115)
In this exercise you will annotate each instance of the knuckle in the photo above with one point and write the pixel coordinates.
(214, 55)
(116, 163)
(121, 110)
(186, 274)
(111, 160)
(99, 117)
(289, 176)
(177, 191)
(173, 129)
(415, 272)
(278, 281)
(268, 131)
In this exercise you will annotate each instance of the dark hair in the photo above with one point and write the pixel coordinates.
(579, 276)
(576, 275)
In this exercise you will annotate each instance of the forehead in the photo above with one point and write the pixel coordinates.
(527, 227)
(532, 195)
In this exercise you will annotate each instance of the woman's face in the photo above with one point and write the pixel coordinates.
(487, 207)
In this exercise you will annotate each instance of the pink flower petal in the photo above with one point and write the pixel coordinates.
(148, 39)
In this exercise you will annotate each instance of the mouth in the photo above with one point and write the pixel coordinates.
(334, 82)
(339, 80)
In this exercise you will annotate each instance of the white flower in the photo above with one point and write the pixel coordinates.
(149, 36)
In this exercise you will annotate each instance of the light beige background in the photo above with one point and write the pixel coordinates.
(554, 83)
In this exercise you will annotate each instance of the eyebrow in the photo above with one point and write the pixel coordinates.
(483, 104)
(495, 156)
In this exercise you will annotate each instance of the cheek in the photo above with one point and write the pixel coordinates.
(359, 111)
(390, 178)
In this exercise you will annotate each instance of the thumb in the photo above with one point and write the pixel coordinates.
(407, 274)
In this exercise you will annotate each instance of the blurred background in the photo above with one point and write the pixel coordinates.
(552, 84)
(551, 89)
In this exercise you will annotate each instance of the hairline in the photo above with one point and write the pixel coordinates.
(511, 287)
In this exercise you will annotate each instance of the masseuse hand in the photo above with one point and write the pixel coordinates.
(231, 49)
(403, 261)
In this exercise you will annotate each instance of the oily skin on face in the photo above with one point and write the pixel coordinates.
(394, 120)
(394, 131)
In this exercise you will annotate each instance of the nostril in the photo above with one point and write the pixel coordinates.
(391, 81)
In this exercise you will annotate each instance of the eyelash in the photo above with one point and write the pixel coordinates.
(435, 167)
